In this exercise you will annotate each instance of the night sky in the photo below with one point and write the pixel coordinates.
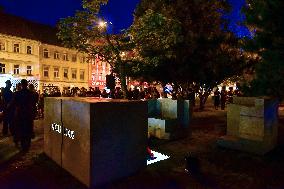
(119, 12)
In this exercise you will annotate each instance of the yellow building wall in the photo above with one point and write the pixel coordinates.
(51, 63)
(21, 58)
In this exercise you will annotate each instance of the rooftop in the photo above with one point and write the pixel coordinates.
(20, 27)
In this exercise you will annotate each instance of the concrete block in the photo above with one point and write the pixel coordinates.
(233, 119)
(161, 128)
(254, 122)
(100, 140)
(251, 128)
(247, 101)
(169, 108)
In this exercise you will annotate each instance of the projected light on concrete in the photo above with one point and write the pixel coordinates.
(158, 157)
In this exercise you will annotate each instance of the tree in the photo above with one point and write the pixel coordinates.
(266, 16)
(87, 32)
(182, 42)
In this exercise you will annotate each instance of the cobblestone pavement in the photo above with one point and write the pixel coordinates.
(219, 167)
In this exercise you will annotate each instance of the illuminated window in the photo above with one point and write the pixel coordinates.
(29, 70)
(16, 48)
(74, 58)
(16, 69)
(56, 55)
(82, 74)
(2, 68)
(65, 73)
(56, 72)
(29, 50)
(45, 53)
(46, 71)
(74, 73)
(65, 56)
(2, 46)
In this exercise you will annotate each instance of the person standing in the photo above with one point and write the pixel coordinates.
(216, 99)
(223, 97)
(7, 96)
(23, 103)
(230, 95)
(35, 99)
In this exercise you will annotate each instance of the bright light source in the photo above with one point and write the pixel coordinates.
(102, 24)
(158, 157)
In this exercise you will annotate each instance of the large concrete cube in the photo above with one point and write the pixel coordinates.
(167, 118)
(96, 140)
(251, 125)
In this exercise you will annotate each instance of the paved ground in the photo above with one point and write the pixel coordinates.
(220, 168)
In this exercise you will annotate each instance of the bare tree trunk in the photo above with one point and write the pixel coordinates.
(122, 77)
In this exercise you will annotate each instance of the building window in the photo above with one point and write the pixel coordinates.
(56, 55)
(56, 72)
(65, 56)
(2, 68)
(82, 59)
(29, 70)
(45, 71)
(65, 73)
(2, 46)
(45, 53)
(74, 58)
(16, 48)
(29, 50)
(16, 69)
(74, 73)
(82, 74)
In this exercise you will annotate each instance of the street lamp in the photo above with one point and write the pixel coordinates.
(102, 24)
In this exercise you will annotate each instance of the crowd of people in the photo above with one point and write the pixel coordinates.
(132, 94)
(225, 97)
(19, 110)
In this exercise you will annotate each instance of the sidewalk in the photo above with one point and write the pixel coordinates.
(7, 147)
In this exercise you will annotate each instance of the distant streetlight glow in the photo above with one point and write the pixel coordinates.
(102, 24)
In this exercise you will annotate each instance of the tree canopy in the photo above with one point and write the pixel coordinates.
(266, 16)
(87, 32)
(183, 42)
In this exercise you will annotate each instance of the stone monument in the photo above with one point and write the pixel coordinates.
(251, 125)
(96, 140)
(167, 118)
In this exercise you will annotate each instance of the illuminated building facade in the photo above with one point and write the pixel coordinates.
(62, 68)
(99, 70)
(19, 59)
(32, 51)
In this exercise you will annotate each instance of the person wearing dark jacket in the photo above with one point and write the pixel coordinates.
(7, 96)
(23, 103)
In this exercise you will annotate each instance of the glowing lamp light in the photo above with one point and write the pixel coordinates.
(102, 24)
(158, 157)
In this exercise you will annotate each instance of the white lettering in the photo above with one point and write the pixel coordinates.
(66, 132)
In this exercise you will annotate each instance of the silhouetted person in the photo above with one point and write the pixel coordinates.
(104, 94)
(230, 95)
(223, 97)
(35, 102)
(191, 96)
(7, 96)
(23, 102)
(216, 99)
